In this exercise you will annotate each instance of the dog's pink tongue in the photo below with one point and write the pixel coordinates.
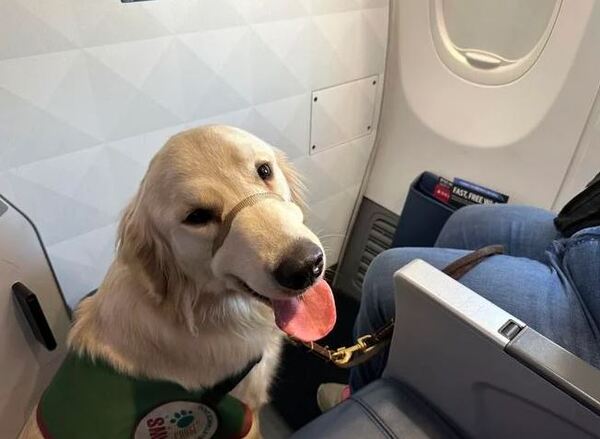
(309, 317)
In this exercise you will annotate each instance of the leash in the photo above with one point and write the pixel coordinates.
(370, 345)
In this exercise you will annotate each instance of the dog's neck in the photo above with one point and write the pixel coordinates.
(130, 329)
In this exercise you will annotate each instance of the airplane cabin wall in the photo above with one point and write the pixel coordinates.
(522, 137)
(91, 89)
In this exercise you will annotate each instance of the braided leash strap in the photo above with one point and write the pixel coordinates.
(369, 345)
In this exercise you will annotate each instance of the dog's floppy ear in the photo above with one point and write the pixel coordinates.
(140, 244)
(295, 183)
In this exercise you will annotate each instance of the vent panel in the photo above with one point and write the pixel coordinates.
(372, 234)
(378, 240)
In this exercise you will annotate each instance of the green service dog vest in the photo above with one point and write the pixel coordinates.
(90, 399)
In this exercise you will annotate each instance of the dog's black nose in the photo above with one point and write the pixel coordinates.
(301, 265)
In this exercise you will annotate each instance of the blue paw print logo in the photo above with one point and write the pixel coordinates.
(182, 418)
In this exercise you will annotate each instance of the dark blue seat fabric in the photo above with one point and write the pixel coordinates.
(383, 409)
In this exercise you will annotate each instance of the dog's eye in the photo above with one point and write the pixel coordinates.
(264, 171)
(199, 217)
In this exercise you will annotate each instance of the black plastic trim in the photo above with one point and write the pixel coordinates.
(35, 316)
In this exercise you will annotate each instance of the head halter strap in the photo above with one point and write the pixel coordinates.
(246, 202)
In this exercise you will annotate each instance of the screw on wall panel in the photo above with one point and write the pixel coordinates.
(374, 82)
(315, 99)
(314, 147)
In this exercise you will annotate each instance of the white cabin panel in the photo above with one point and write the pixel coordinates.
(516, 137)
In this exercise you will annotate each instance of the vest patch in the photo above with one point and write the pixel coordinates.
(178, 420)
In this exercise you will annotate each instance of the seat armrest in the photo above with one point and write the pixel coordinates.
(571, 374)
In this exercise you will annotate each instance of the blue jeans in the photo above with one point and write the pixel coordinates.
(549, 282)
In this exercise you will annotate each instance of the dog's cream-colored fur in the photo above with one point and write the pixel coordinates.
(169, 309)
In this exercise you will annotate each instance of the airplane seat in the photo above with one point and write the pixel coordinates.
(383, 409)
(459, 366)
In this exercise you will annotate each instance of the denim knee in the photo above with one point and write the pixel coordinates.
(524, 231)
(377, 301)
(581, 260)
(380, 275)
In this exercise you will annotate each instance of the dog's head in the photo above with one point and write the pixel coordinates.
(220, 211)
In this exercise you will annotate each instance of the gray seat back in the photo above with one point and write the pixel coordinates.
(471, 361)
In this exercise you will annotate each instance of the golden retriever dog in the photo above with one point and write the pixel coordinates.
(213, 262)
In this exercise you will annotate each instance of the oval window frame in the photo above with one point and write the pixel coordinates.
(478, 66)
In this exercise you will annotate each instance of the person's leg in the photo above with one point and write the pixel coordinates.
(577, 260)
(377, 301)
(531, 291)
(524, 231)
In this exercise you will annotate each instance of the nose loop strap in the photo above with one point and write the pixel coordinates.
(228, 220)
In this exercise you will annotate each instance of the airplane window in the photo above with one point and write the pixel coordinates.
(507, 28)
(492, 41)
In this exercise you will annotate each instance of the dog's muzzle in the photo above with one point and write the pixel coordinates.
(228, 220)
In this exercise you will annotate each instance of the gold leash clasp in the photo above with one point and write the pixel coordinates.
(365, 347)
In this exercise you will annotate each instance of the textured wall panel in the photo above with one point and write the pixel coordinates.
(91, 89)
